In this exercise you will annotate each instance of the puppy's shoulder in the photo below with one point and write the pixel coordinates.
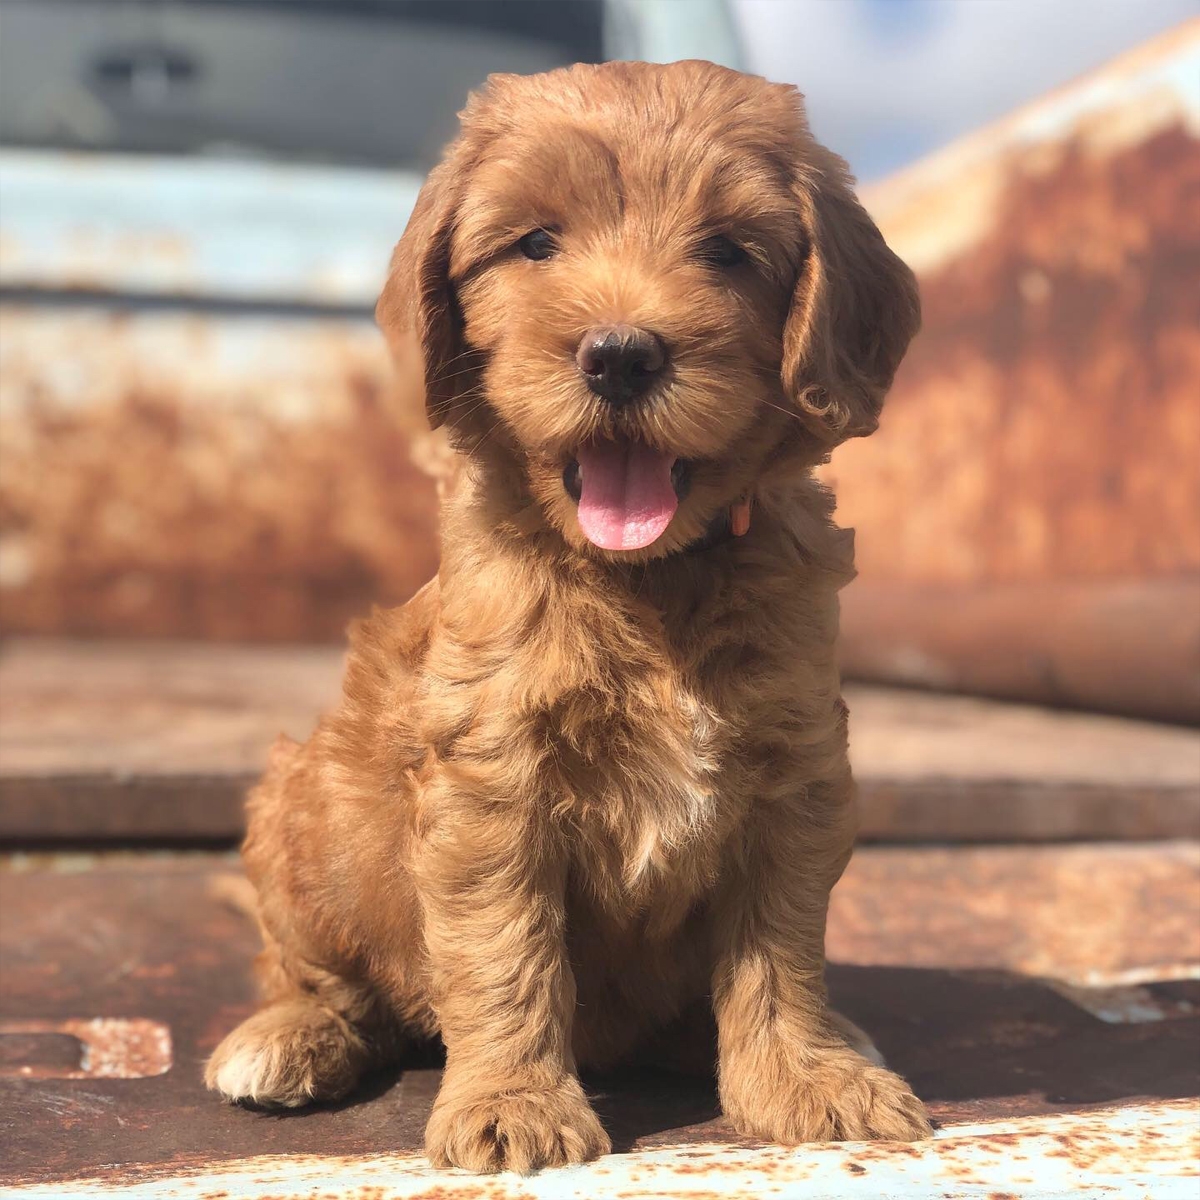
(389, 645)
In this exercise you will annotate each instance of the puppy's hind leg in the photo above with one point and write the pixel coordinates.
(856, 1038)
(312, 1041)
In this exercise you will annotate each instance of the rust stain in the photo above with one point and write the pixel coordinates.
(1031, 909)
(1045, 425)
(981, 1043)
(1043, 431)
(217, 477)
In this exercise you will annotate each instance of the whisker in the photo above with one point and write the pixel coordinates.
(787, 412)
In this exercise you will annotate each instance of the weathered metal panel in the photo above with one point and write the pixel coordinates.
(1096, 915)
(142, 741)
(1044, 424)
(1044, 428)
(205, 475)
(197, 227)
(1142, 1152)
(938, 955)
(1121, 646)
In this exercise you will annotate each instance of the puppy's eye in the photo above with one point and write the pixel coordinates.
(721, 251)
(538, 244)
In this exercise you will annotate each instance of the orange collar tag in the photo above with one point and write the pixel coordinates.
(739, 518)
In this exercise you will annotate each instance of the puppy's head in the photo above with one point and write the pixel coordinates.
(652, 287)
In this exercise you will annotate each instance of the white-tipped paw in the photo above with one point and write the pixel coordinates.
(286, 1056)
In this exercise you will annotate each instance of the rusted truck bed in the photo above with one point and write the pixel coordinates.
(1020, 933)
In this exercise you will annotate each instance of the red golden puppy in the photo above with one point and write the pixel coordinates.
(592, 780)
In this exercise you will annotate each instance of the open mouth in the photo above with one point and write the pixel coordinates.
(627, 492)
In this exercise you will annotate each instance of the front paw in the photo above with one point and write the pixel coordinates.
(829, 1094)
(516, 1130)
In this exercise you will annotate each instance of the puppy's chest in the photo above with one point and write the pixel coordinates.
(639, 772)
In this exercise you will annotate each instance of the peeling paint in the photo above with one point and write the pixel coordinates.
(196, 227)
(1139, 1152)
(110, 1048)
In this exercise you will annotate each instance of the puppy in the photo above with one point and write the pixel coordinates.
(591, 782)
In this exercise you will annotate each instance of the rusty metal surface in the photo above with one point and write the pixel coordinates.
(1131, 648)
(1044, 424)
(204, 475)
(1140, 1152)
(1044, 429)
(1089, 914)
(247, 477)
(933, 767)
(950, 1000)
(105, 809)
(145, 741)
(148, 708)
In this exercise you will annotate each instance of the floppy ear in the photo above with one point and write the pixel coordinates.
(854, 310)
(418, 300)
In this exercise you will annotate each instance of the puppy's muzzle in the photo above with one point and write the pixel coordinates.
(619, 362)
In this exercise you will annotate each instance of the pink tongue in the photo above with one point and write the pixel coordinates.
(627, 499)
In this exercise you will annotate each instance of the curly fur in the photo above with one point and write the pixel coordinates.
(572, 796)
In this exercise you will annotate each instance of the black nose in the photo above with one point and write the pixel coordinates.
(620, 362)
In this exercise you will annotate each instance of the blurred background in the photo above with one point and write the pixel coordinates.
(201, 436)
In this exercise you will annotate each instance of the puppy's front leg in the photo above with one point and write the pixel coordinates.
(787, 1073)
(492, 891)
